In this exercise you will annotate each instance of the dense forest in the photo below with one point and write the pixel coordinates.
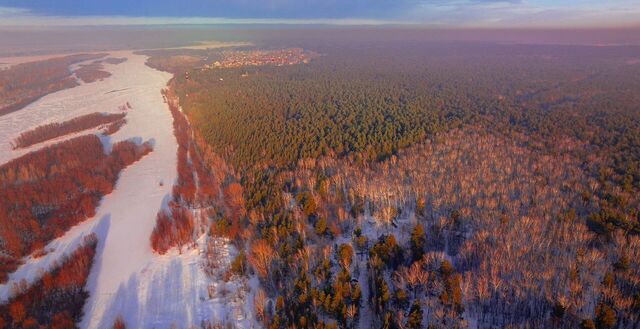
(378, 102)
(411, 184)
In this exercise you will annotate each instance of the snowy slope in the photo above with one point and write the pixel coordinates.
(127, 278)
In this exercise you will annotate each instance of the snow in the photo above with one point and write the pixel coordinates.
(366, 314)
(171, 290)
(8, 62)
(128, 279)
(70, 103)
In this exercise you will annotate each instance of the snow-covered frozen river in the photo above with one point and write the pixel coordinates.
(127, 279)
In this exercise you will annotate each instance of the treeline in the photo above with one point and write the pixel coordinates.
(44, 193)
(57, 298)
(175, 227)
(191, 164)
(24, 83)
(184, 190)
(57, 129)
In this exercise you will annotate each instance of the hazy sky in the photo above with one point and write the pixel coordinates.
(454, 13)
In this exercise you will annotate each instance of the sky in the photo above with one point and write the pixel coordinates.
(434, 13)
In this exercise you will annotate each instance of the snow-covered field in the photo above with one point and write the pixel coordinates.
(127, 278)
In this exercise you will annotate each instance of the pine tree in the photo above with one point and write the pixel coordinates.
(415, 316)
(418, 242)
(605, 316)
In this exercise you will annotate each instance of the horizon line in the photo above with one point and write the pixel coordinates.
(37, 21)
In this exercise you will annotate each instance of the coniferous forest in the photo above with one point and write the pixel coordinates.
(412, 184)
